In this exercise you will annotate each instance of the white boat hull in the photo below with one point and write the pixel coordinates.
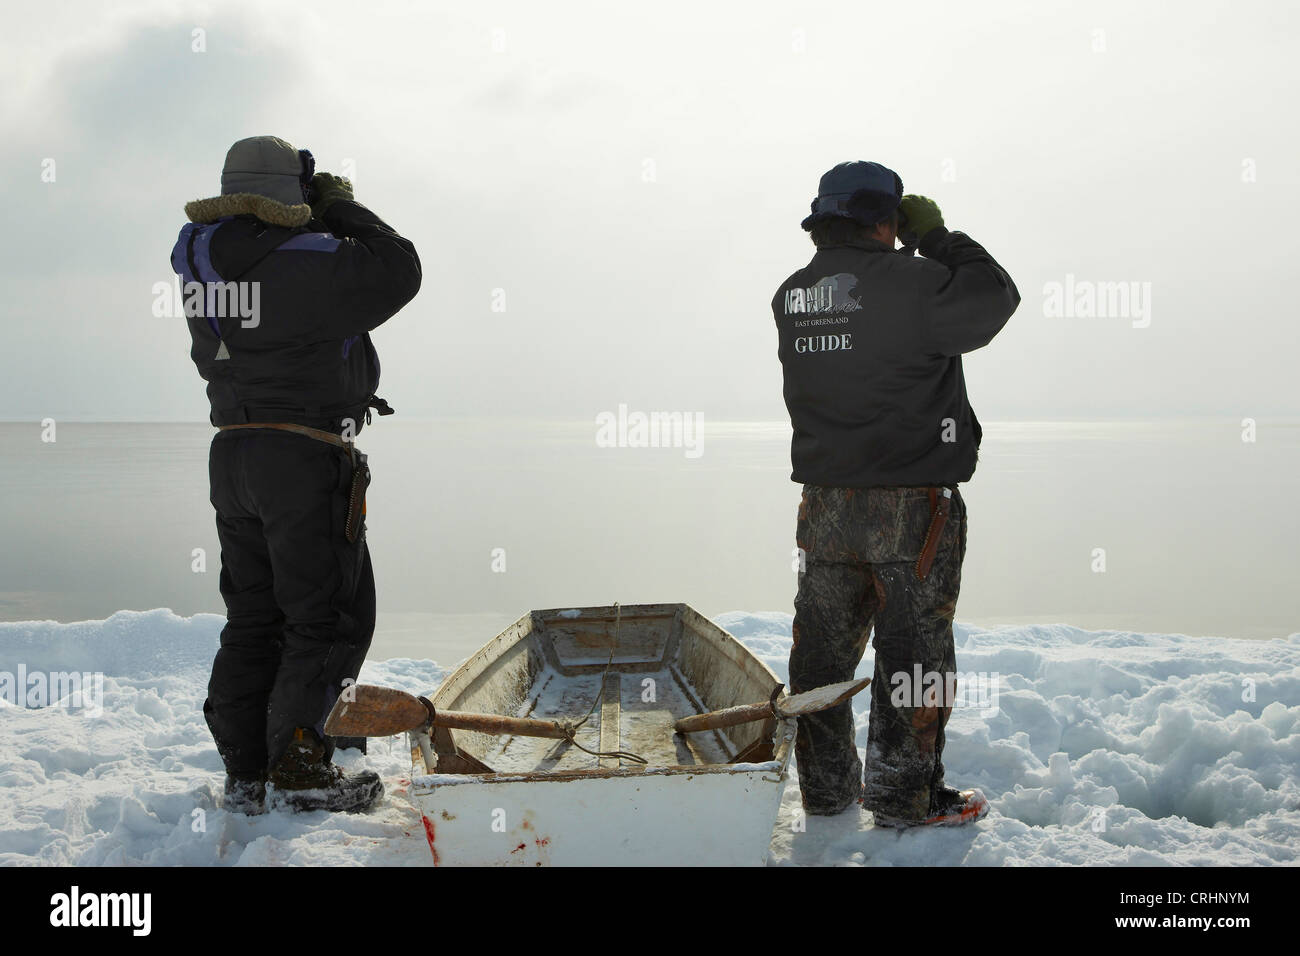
(715, 818)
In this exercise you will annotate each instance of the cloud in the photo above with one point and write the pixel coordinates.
(525, 169)
(134, 127)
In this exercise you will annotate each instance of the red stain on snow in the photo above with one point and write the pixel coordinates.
(430, 835)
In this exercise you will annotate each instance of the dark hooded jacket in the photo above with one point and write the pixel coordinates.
(870, 345)
(321, 287)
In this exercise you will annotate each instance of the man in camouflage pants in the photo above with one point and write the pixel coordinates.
(871, 340)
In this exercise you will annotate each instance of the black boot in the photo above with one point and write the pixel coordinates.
(245, 794)
(302, 781)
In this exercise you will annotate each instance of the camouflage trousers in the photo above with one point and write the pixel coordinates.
(859, 548)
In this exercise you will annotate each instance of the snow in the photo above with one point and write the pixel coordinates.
(1095, 747)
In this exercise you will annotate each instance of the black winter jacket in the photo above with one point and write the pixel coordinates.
(306, 356)
(870, 346)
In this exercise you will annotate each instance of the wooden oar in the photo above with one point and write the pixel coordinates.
(809, 702)
(365, 710)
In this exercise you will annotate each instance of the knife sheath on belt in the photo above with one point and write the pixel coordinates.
(940, 500)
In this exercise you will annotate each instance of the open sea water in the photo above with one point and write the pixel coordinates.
(474, 522)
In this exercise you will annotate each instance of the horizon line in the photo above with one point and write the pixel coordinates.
(1221, 418)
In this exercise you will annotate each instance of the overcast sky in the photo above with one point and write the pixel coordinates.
(1115, 142)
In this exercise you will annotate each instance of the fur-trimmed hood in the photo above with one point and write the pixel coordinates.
(238, 204)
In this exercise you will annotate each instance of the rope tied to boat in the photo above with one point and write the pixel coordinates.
(621, 754)
(570, 730)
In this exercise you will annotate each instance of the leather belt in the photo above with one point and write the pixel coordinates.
(315, 433)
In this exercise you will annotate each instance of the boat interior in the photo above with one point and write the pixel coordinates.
(622, 677)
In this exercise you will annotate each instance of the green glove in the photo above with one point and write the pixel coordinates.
(328, 189)
(918, 215)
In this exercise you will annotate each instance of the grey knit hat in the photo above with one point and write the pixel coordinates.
(266, 166)
(264, 177)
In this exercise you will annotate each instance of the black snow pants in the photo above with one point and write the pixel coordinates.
(860, 548)
(300, 598)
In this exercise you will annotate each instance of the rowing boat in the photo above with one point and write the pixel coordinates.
(622, 786)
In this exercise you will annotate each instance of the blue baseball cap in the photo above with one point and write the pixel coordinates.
(864, 192)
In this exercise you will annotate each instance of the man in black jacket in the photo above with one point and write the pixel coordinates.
(285, 277)
(871, 341)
